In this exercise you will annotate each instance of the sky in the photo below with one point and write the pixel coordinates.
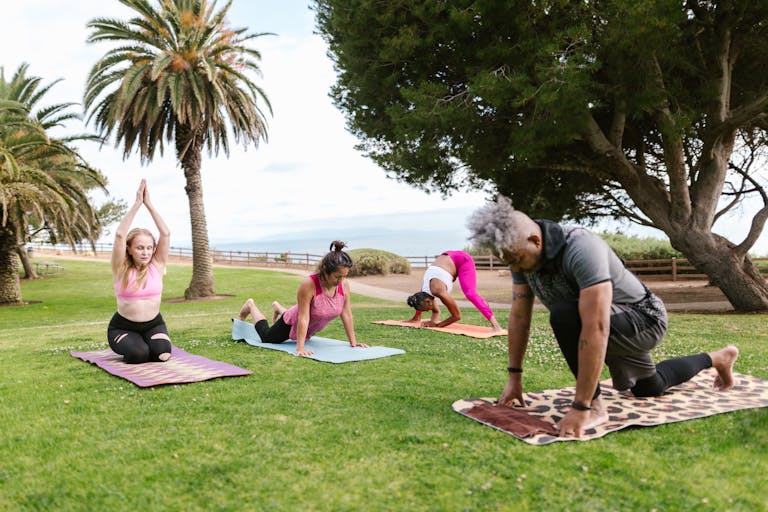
(308, 176)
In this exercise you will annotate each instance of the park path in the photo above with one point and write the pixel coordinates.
(397, 293)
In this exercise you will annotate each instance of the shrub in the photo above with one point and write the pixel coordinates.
(637, 248)
(626, 247)
(368, 262)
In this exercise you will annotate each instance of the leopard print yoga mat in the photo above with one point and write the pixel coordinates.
(693, 399)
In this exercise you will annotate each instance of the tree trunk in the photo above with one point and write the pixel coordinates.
(686, 215)
(26, 263)
(10, 288)
(189, 147)
(738, 277)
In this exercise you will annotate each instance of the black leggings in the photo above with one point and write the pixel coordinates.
(566, 324)
(671, 373)
(278, 333)
(135, 341)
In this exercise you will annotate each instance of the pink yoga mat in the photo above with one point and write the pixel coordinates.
(474, 331)
(181, 368)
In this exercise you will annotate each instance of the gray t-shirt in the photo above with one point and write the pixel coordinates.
(574, 258)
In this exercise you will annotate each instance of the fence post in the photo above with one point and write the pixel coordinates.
(674, 268)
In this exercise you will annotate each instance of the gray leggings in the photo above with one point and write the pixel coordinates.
(626, 325)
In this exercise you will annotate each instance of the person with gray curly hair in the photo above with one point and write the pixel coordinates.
(499, 227)
(600, 313)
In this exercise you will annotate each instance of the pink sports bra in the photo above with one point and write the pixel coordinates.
(153, 285)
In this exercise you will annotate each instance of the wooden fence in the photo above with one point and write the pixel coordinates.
(668, 269)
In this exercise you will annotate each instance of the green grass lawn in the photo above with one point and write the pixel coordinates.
(303, 435)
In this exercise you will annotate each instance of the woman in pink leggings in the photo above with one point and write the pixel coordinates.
(438, 282)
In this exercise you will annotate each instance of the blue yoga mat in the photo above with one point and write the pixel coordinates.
(326, 349)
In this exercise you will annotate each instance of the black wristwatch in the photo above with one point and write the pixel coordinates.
(580, 406)
(514, 369)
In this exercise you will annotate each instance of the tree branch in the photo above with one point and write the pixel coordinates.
(755, 230)
(737, 197)
(760, 218)
(599, 144)
(746, 113)
(673, 152)
(722, 84)
(618, 122)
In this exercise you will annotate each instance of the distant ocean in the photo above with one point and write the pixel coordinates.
(422, 233)
(403, 243)
(406, 234)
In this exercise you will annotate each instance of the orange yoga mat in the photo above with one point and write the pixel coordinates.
(474, 331)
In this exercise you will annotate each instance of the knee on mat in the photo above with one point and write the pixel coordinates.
(160, 346)
(137, 354)
(649, 387)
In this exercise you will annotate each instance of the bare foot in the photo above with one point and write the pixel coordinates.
(598, 415)
(246, 309)
(497, 330)
(722, 361)
(277, 310)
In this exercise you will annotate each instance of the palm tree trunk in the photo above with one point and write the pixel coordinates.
(10, 289)
(189, 147)
(26, 263)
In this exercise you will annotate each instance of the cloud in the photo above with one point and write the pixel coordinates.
(308, 169)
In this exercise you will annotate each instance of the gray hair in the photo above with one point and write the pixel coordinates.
(497, 226)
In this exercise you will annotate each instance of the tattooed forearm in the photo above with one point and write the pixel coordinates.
(522, 295)
(582, 344)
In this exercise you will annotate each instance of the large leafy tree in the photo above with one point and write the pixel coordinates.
(43, 180)
(652, 110)
(178, 73)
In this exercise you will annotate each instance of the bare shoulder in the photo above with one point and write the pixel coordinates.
(307, 286)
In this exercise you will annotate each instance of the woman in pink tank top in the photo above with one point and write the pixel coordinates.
(137, 331)
(321, 297)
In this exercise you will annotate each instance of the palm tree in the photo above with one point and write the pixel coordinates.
(177, 74)
(42, 181)
(12, 117)
(33, 148)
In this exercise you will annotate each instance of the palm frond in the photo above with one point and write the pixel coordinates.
(195, 69)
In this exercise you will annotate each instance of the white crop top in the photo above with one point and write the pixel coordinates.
(437, 273)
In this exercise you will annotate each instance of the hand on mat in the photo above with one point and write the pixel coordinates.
(573, 423)
(513, 391)
(428, 323)
(356, 344)
(304, 352)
